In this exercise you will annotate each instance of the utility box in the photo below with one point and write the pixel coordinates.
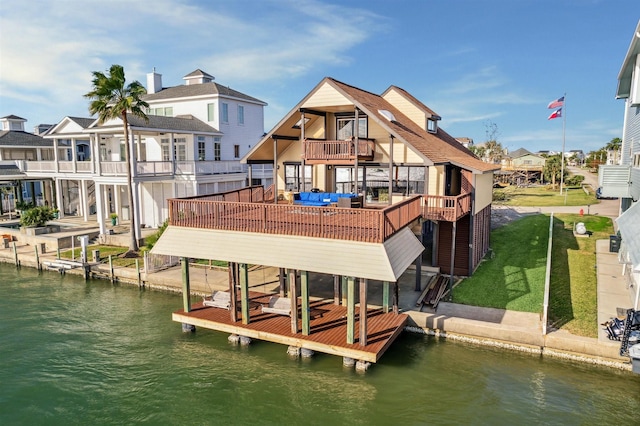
(96, 256)
(634, 353)
(614, 243)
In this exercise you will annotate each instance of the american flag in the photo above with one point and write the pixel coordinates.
(556, 104)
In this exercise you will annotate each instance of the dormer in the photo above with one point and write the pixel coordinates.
(13, 123)
(197, 77)
(432, 123)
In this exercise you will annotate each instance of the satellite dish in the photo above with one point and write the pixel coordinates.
(387, 114)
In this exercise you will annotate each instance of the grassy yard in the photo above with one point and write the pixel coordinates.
(513, 278)
(105, 252)
(542, 196)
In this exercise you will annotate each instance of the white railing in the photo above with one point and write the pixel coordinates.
(65, 166)
(209, 167)
(113, 168)
(158, 262)
(39, 166)
(154, 168)
(84, 166)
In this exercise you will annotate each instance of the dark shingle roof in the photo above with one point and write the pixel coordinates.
(199, 73)
(10, 170)
(203, 89)
(519, 153)
(14, 117)
(82, 122)
(16, 138)
(183, 123)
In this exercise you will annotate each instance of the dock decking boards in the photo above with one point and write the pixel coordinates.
(328, 332)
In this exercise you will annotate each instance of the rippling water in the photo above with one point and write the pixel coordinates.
(93, 353)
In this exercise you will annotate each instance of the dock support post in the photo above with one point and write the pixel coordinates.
(336, 290)
(37, 258)
(351, 309)
(111, 268)
(306, 309)
(344, 290)
(385, 296)
(244, 292)
(15, 254)
(282, 277)
(233, 305)
(363, 311)
(293, 296)
(418, 273)
(138, 272)
(396, 310)
(186, 285)
(58, 253)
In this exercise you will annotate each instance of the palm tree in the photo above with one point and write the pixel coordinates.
(111, 99)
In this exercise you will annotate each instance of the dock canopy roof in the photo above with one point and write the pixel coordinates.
(377, 261)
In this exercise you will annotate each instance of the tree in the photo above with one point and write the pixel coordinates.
(493, 148)
(111, 98)
(614, 144)
(552, 169)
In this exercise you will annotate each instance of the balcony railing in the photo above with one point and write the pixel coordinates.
(209, 167)
(337, 152)
(446, 208)
(366, 225)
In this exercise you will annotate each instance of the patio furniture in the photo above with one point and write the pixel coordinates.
(278, 305)
(219, 299)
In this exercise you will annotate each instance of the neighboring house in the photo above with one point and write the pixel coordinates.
(623, 180)
(17, 148)
(575, 157)
(521, 167)
(191, 145)
(466, 142)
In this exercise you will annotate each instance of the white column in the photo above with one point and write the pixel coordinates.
(138, 207)
(73, 155)
(100, 213)
(55, 161)
(84, 200)
(116, 199)
(59, 202)
(107, 204)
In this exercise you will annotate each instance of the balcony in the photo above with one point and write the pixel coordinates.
(252, 212)
(317, 151)
(446, 208)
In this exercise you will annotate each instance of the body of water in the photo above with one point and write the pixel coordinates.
(75, 352)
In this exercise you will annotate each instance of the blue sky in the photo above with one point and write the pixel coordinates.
(473, 62)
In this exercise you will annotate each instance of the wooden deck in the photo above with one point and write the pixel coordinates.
(328, 327)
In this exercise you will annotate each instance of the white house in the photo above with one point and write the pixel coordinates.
(623, 180)
(191, 145)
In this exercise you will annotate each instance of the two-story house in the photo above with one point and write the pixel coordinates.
(191, 145)
(363, 186)
(623, 180)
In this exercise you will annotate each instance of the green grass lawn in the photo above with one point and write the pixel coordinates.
(542, 196)
(513, 278)
(105, 252)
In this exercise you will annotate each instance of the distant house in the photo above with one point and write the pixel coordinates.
(521, 167)
(623, 179)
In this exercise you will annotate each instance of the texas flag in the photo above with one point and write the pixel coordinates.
(555, 114)
(556, 104)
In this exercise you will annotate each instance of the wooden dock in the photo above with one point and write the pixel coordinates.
(328, 327)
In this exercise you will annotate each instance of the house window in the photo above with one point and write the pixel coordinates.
(211, 111)
(201, 151)
(293, 177)
(236, 151)
(345, 127)
(225, 113)
(240, 115)
(164, 145)
(217, 150)
(162, 111)
(103, 152)
(432, 126)
(180, 149)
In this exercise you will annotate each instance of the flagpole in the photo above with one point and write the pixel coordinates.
(564, 122)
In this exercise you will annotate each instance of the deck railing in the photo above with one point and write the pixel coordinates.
(324, 151)
(446, 208)
(366, 225)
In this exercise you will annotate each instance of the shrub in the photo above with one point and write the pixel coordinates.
(37, 216)
(152, 239)
(575, 180)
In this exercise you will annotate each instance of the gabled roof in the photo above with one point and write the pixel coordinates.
(198, 73)
(82, 122)
(626, 72)
(183, 123)
(203, 89)
(13, 117)
(520, 152)
(438, 148)
(417, 103)
(16, 138)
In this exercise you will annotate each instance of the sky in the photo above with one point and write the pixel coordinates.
(478, 64)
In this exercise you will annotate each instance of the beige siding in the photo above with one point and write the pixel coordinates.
(402, 153)
(436, 180)
(384, 262)
(326, 96)
(406, 107)
(483, 191)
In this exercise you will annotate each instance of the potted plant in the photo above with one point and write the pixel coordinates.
(114, 218)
